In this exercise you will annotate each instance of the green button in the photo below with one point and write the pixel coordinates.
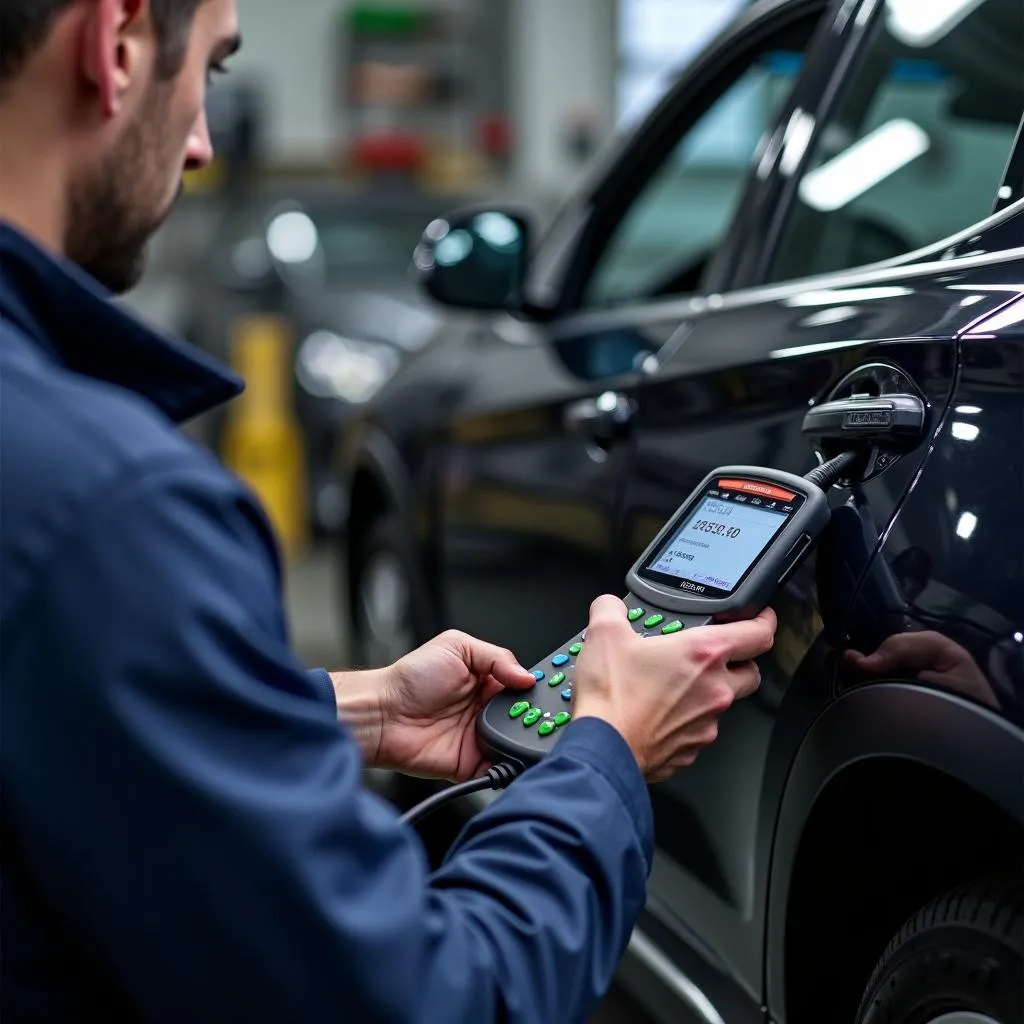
(653, 620)
(635, 613)
(518, 708)
(546, 728)
(672, 627)
(575, 649)
(531, 716)
(557, 679)
(562, 717)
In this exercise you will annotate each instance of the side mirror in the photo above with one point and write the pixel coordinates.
(475, 258)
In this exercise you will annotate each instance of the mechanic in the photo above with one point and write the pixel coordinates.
(184, 829)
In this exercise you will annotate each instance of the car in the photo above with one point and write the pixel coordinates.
(332, 262)
(828, 202)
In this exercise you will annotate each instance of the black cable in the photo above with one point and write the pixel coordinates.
(498, 777)
(825, 475)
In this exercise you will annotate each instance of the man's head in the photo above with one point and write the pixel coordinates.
(115, 92)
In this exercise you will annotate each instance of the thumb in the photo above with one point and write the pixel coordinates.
(486, 659)
(609, 612)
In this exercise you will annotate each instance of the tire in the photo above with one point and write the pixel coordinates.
(959, 960)
(390, 611)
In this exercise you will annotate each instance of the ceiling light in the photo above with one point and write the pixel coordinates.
(924, 22)
(1009, 316)
(870, 160)
(966, 524)
(292, 238)
(830, 296)
(964, 431)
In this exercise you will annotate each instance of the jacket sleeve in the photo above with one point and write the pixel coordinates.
(189, 801)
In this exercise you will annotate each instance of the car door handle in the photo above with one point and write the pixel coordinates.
(603, 419)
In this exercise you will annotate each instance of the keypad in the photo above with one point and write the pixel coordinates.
(531, 716)
(575, 649)
(557, 679)
(566, 694)
(546, 728)
(562, 717)
(538, 675)
(559, 659)
(634, 614)
(653, 620)
(672, 627)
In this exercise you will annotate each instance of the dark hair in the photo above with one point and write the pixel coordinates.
(25, 24)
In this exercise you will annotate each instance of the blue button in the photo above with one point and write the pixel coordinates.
(567, 694)
(538, 675)
(559, 659)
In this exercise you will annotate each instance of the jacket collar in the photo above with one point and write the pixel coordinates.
(66, 314)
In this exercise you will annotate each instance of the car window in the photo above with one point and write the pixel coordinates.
(683, 211)
(916, 147)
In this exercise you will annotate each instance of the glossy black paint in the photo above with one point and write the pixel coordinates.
(526, 504)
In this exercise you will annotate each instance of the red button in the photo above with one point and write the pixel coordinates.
(755, 487)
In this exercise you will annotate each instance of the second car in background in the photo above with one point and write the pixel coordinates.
(333, 265)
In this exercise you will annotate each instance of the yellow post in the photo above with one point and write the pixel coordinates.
(262, 439)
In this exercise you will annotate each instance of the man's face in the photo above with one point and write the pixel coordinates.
(119, 200)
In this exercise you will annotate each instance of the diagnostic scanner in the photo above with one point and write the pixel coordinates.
(721, 557)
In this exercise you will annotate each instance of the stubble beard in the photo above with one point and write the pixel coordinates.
(116, 209)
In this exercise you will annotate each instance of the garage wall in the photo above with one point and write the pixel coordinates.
(564, 54)
(297, 77)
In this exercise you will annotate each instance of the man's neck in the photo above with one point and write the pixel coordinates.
(32, 183)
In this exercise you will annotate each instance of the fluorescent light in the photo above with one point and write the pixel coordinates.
(966, 524)
(830, 296)
(810, 350)
(925, 22)
(875, 157)
(967, 410)
(794, 144)
(1009, 316)
(965, 431)
(833, 315)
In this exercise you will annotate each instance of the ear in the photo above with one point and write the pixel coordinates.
(111, 55)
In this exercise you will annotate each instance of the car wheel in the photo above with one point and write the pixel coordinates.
(959, 960)
(389, 609)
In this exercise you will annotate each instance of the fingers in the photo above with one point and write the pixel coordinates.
(910, 652)
(745, 679)
(484, 659)
(738, 641)
(608, 612)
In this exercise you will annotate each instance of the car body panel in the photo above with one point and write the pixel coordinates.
(710, 405)
(522, 520)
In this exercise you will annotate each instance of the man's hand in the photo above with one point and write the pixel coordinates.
(665, 694)
(419, 715)
(933, 658)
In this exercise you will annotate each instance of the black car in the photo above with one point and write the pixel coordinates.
(332, 262)
(829, 202)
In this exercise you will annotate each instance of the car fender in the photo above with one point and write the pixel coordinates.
(934, 729)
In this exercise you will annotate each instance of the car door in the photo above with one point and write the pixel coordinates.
(855, 285)
(536, 451)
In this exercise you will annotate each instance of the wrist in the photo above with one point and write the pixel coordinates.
(361, 699)
(606, 712)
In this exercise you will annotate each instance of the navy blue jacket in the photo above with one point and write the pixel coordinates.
(185, 836)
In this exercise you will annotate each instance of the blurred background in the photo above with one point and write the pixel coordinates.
(342, 130)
